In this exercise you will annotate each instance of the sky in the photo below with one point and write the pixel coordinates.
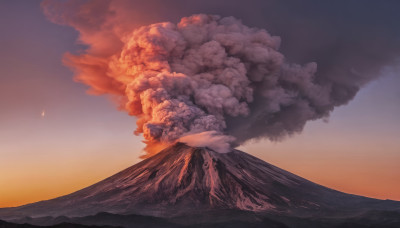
(82, 139)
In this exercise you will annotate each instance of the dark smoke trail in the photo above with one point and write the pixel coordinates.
(207, 75)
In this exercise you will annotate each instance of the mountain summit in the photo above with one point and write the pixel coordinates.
(181, 180)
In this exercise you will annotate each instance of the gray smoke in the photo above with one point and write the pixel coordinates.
(210, 74)
(195, 76)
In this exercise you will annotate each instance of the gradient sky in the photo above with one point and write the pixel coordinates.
(83, 139)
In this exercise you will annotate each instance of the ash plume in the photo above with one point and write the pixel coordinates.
(207, 75)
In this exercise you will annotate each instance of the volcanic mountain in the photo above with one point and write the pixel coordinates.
(182, 180)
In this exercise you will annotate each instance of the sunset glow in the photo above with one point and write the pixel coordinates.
(89, 90)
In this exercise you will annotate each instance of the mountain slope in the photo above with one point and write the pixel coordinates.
(182, 180)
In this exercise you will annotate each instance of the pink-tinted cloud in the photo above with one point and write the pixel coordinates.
(204, 74)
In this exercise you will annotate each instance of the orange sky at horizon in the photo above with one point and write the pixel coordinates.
(367, 175)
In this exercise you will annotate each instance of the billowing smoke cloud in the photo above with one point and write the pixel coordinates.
(204, 76)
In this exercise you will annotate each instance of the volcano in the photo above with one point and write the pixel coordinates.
(183, 180)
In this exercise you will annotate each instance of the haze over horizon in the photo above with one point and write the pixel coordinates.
(56, 139)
